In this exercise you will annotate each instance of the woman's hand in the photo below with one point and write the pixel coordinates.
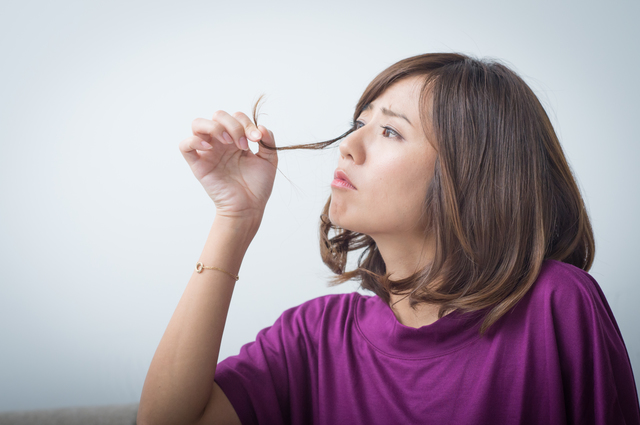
(238, 181)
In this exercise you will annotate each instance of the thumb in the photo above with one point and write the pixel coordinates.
(266, 146)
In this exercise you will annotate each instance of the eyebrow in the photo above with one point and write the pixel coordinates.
(388, 112)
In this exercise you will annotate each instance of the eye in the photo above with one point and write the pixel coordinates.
(390, 132)
(387, 132)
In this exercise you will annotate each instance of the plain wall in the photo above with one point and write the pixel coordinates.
(101, 220)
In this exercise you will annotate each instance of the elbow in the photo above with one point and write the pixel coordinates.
(144, 417)
(149, 415)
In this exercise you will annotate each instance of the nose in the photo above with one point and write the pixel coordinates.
(352, 147)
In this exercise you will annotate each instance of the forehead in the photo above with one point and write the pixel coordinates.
(402, 96)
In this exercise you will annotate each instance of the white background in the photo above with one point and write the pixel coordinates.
(101, 220)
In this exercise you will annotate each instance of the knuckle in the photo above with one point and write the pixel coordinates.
(218, 114)
(203, 127)
(236, 128)
(196, 123)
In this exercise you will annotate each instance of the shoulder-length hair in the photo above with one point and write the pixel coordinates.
(501, 201)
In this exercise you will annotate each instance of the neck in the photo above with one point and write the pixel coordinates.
(403, 256)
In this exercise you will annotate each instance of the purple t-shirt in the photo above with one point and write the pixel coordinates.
(556, 358)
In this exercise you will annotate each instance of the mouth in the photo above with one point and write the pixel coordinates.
(341, 181)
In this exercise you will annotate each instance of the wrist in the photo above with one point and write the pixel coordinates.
(240, 230)
(228, 241)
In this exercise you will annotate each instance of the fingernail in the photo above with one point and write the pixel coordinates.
(256, 135)
(206, 145)
(244, 144)
(226, 137)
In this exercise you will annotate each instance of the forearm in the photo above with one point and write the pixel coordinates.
(180, 378)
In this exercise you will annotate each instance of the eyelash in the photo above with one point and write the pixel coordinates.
(385, 128)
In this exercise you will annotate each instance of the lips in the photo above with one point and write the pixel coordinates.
(341, 180)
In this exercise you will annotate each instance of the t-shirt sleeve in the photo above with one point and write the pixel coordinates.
(273, 373)
(598, 381)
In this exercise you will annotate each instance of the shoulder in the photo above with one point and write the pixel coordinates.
(318, 307)
(306, 322)
(570, 299)
(560, 282)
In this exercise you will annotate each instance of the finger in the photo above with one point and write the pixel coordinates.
(210, 131)
(250, 130)
(233, 128)
(223, 128)
(189, 146)
(268, 139)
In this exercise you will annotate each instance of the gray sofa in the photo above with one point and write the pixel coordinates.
(122, 414)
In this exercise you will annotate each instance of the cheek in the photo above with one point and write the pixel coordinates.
(402, 199)
(404, 208)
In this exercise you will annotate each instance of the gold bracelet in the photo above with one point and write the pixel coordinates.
(200, 267)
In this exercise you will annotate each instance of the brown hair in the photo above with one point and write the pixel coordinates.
(502, 199)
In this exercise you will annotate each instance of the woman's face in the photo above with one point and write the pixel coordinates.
(389, 163)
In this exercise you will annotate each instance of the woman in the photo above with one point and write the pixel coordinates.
(474, 239)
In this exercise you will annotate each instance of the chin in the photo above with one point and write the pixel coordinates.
(333, 219)
(348, 220)
(344, 224)
(336, 217)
